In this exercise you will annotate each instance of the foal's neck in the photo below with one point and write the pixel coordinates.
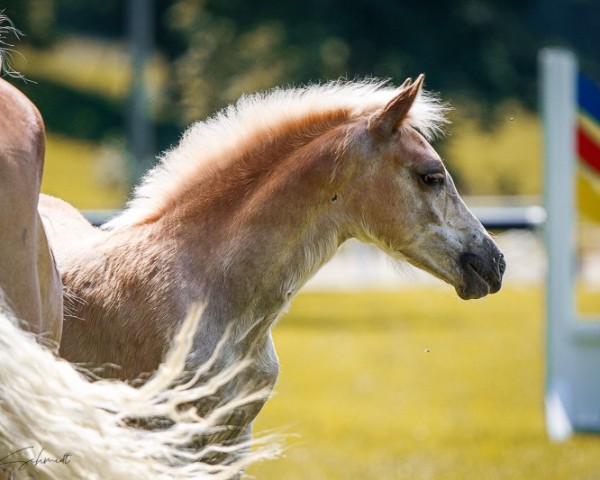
(258, 229)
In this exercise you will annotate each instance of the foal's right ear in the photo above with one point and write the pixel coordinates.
(384, 122)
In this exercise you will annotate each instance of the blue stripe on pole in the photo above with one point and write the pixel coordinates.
(588, 96)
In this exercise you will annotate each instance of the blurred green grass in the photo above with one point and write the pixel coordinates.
(417, 384)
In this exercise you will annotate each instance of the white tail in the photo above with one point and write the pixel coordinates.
(7, 29)
(55, 424)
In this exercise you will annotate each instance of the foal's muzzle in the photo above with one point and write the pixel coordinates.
(482, 271)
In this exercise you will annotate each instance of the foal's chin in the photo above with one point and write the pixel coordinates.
(473, 292)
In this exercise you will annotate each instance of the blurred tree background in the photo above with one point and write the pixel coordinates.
(480, 54)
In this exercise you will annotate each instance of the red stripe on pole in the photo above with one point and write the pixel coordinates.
(589, 151)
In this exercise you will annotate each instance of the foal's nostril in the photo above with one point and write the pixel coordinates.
(497, 257)
(501, 264)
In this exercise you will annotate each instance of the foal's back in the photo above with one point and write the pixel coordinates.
(68, 231)
(121, 303)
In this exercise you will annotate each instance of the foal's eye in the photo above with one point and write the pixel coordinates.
(433, 179)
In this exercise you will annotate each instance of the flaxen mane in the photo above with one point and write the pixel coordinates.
(262, 117)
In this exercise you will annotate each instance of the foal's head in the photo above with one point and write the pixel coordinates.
(402, 198)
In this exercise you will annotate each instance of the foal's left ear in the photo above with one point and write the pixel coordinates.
(383, 123)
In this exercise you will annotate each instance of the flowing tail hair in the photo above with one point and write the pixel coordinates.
(56, 424)
(7, 30)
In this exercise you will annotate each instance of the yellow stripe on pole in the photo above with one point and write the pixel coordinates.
(588, 194)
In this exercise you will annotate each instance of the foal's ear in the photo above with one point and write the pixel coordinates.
(384, 122)
(406, 83)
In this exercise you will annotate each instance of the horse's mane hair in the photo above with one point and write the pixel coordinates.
(204, 146)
